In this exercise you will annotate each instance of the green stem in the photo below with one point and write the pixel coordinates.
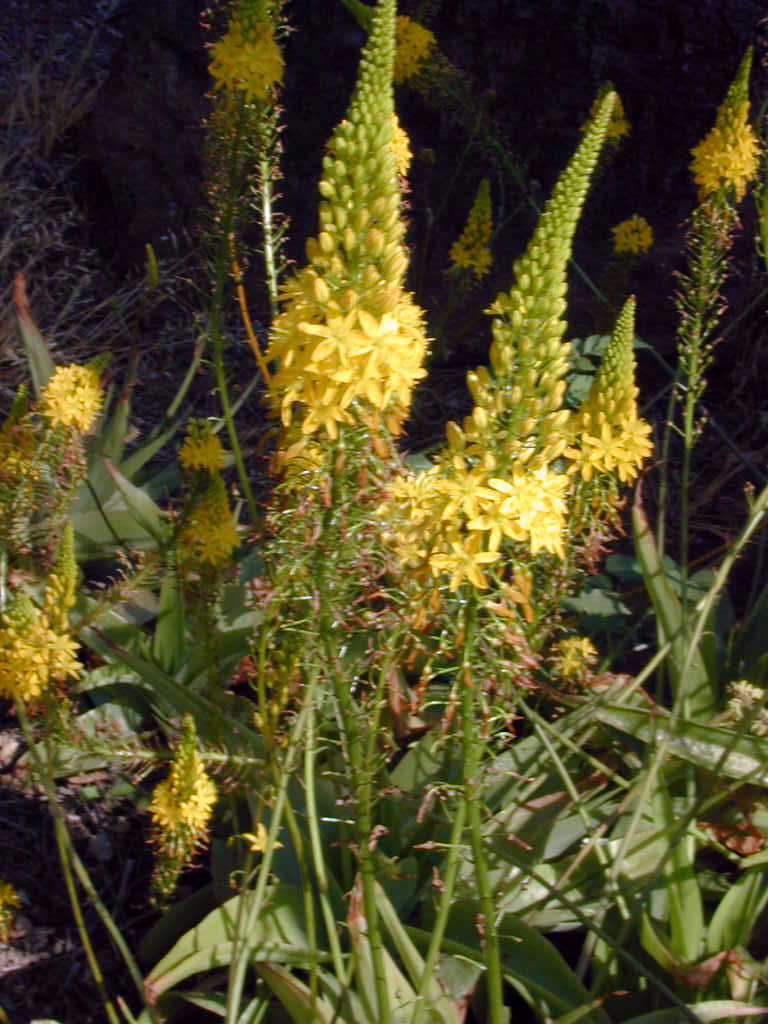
(221, 269)
(240, 945)
(362, 790)
(472, 749)
(450, 874)
(316, 845)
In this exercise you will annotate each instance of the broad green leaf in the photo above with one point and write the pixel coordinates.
(413, 961)
(529, 960)
(715, 748)
(213, 724)
(686, 910)
(139, 457)
(111, 444)
(737, 913)
(148, 514)
(169, 641)
(687, 668)
(278, 935)
(296, 998)
(100, 532)
(713, 1010)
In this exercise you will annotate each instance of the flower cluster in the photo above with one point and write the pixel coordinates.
(472, 249)
(729, 157)
(181, 809)
(202, 449)
(414, 43)
(10, 902)
(607, 435)
(574, 657)
(634, 236)
(350, 341)
(33, 653)
(247, 58)
(36, 648)
(72, 398)
(499, 482)
(208, 535)
(453, 518)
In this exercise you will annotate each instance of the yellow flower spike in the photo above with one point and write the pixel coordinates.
(528, 355)
(414, 45)
(634, 235)
(72, 398)
(202, 449)
(247, 58)
(186, 798)
(472, 250)
(729, 157)
(33, 654)
(356, 342)
(607, 434)
(209, 535)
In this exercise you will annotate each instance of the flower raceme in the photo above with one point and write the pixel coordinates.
(454, 520)
(729, 157)
(209, 535)
(607, 434)
(181, 809)
(72, 398)
(202, 449)
(36, 648)
(472, 249)
(350, 340)
(247, 58)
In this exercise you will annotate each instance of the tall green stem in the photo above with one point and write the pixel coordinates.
(472, 748)
(255, 901)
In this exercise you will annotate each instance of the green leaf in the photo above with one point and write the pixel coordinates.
(278, 935)
(148, 515)
(531, 963)
(413, 961)
(41, 366)
(737, 913)
(687, 668)
(715, 748)
(296, 998)
(713, 1010)
(686, 910)
(169, 641)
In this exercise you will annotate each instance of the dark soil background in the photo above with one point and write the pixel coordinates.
(534, 67)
